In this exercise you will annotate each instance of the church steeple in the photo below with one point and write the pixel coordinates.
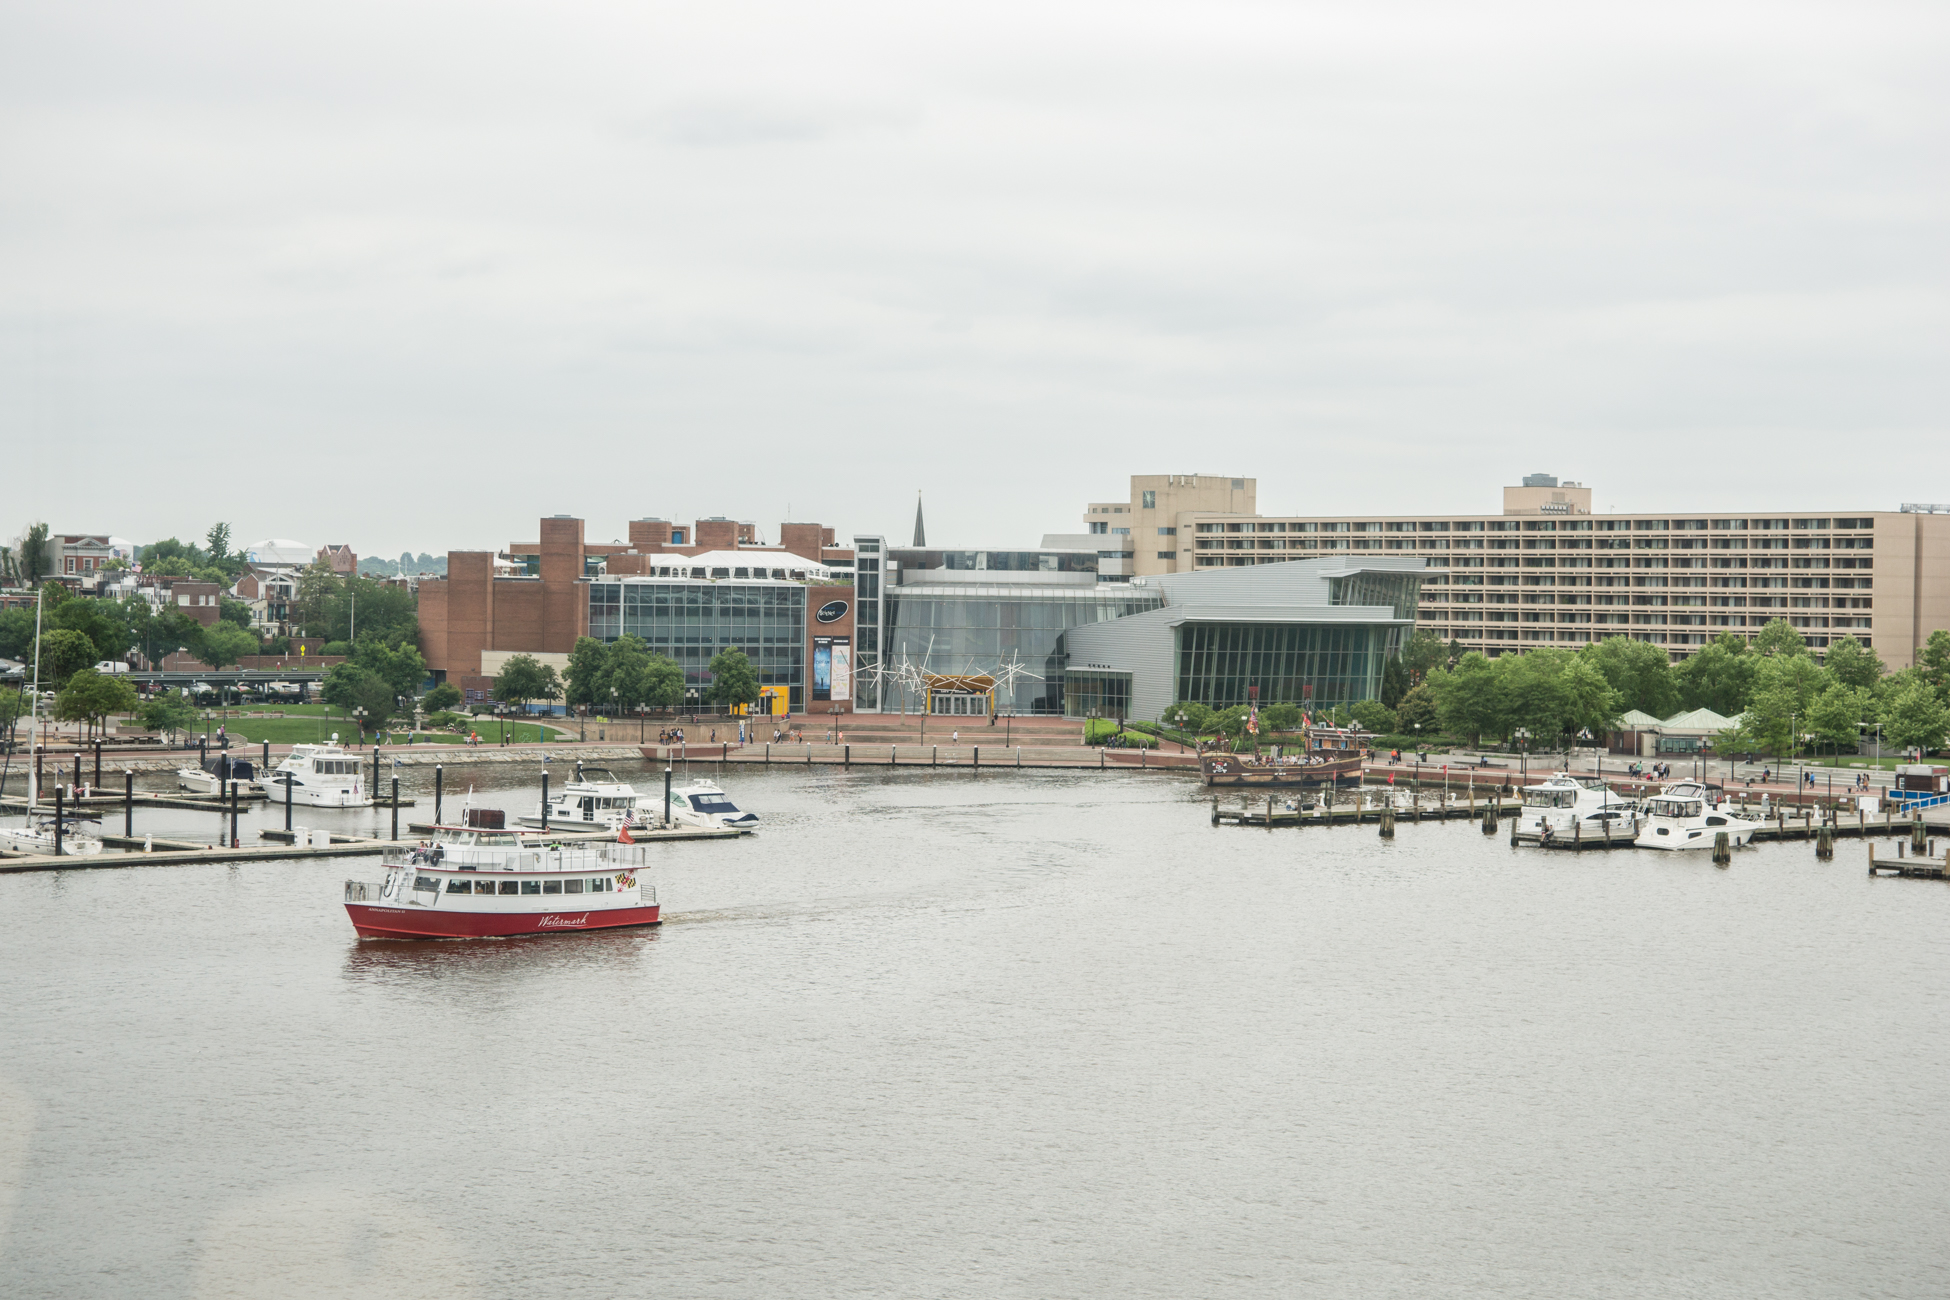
(920, 532)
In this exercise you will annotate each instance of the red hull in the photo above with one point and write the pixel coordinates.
(415, 923)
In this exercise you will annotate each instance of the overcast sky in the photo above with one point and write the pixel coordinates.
(409, 275)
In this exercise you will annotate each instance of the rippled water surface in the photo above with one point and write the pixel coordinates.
(996, 1035)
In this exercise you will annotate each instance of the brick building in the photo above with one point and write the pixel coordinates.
(537, 598)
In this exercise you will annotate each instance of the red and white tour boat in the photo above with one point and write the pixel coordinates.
(473, 883)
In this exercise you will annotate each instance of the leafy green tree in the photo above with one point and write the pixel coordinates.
(92, 697)
(375, 696)
(1835, 718)
(523, 678)
(1591, 703)
(223, 644)
(732, 679)
(63, 653)
(1799, 675)
(1769, 723)
(1719, 676)
(235, 611)
(1280, 717)
(1916, 718)
(1779, 638)
(663, 682)
(17, 634)
(588, 665)
(442, 697)
(1467, 698)
(168, 712)
(342, 684)
(1374, 716)
(1456, 652)
(101, 621)
(219, 542)
(401, 667)
(1854, 665)
(1197, 718)
(1639, 671)
(1935, 662)
(1394, 683)
(1423, 654)
(1418, 710)
(35, 562)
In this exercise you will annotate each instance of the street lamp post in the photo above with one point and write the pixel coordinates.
(1523, 745)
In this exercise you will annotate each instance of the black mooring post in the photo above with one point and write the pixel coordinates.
(57, 821)
(234, 800)
(266, 764)
(128, 802)
(545, 799)
(287, 807)
(202, 750)
(666, 796)
(98, 765)
(396, 810)
(436, 794)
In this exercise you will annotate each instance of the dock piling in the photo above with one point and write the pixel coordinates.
(436, 797)
(57, 821)
(395, 811)
(1916, 833)
(1722, 850)
(1825, 843)
(1388, 821)
(128, 802)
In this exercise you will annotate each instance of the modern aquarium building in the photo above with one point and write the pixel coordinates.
(1042, 632)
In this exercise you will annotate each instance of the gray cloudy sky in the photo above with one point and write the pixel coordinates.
(411, 274)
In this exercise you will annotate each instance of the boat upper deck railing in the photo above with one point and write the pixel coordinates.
(569, 859)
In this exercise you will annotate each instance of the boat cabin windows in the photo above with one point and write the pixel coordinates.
(1550, 798)
(507, 886)
(337, 766)
(459, 886)
(572, 886)
(551, 886)
(712, 803)
(531, 886)
(1676, 807)
(426, 884)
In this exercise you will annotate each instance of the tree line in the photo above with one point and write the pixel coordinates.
(1785, 697)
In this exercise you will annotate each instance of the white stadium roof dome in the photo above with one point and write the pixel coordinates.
(280, 550)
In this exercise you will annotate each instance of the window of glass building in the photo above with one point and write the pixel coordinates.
(690, 622)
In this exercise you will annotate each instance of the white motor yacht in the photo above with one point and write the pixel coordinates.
(217, 778)
(701, 803)
(1571, 805)
(1690, 815)
(321, 776)
(595, 800)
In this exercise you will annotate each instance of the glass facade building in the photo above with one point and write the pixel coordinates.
(976, 628)
(691, 621)
(1298, 663)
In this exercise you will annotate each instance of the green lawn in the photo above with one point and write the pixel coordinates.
(316, 730)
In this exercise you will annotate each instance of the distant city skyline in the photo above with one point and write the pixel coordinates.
(791, 263)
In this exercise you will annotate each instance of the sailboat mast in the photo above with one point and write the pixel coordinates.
(34, 704)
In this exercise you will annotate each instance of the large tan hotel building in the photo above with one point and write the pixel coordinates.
(1546, 570)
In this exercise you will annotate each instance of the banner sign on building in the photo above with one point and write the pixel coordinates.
(832, 668)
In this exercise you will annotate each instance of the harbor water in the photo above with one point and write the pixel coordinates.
(996, 1034)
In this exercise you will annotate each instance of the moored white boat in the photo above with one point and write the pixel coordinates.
(1691, 815)
(1573, 807)
(595, 800)
(38, 837)
(222, 773)
(469, 883)
(321, 776)
(700, 803)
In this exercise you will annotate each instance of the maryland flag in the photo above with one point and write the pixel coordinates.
(1252, 721)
